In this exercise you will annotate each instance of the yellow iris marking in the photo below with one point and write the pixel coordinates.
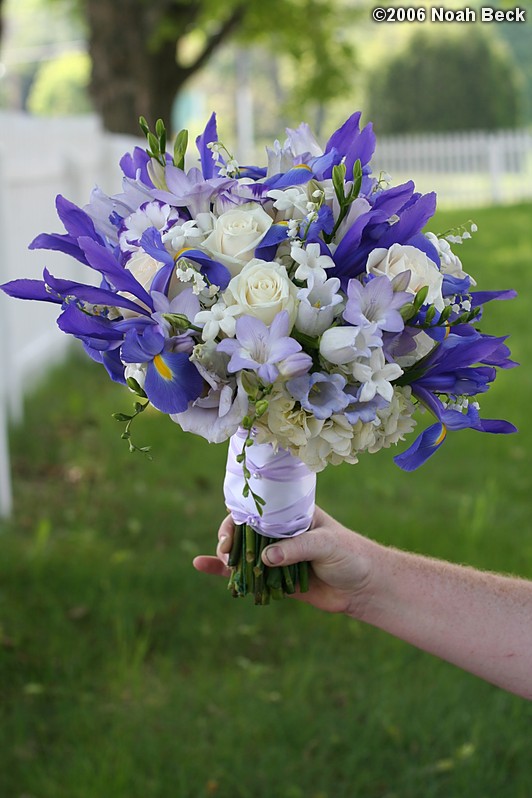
(302, 166)
(447, 329)
(185, 249)
(162, 368)
(441, 436)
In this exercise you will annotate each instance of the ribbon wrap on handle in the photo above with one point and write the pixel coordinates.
(285, 483)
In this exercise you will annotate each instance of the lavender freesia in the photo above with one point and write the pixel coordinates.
(269, 351)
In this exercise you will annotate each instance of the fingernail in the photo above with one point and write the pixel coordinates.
(274, 555)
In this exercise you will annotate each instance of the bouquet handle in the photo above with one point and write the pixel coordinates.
(287, 490)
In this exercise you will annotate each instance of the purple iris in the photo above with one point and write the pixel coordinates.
(269, 351)
(373, 228)
(172, 380)
(375, 303)
(319, 393)
(449, 369)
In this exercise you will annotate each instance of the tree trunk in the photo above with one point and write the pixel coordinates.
(134, 66)
(130, 75)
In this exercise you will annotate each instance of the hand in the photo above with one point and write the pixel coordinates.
(341, 562)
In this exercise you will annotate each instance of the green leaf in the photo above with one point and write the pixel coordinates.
(446, 312)
(160, 130)
(431, 312)
(180, 149)
(357, 181)
(144, 125)
(121, 417)
(261, 407)
(135, 387)
(338, 179)
(421, 297)
(153, 143)
(408, 311)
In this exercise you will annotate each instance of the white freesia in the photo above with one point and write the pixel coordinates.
(183, 235)
(341, 345)
(151, 214)
(236, 234)
(357, 208)
(302, 141)
(217, 414)
(311, 263)
(262, 289)
(290, 203)
(219, 318)
(400, 258)
(376, 376)
(423, 345)
(319, 303)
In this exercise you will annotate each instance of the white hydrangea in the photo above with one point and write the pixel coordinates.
(363, 437)
(332, 445)
(394, 421)
(290, 426)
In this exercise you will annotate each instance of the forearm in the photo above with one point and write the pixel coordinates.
(481, 622)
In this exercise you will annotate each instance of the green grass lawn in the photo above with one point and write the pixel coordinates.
(126, 674)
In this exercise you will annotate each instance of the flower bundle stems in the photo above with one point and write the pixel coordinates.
(249, 575)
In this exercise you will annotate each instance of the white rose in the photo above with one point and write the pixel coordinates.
(423, 271)
(262, 289)
(236, 234)
(143, 268)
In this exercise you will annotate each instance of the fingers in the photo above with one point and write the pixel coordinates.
(211, 565)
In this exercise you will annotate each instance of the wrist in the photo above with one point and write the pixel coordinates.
(369, 594)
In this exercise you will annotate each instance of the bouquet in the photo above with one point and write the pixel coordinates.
(296, 309)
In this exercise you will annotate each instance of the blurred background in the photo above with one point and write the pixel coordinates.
(123, 673)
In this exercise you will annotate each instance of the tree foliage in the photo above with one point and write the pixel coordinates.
(144, 51)
(463, 80)
(60, 86)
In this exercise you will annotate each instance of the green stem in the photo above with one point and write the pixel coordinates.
(303, 577)
(236, 548)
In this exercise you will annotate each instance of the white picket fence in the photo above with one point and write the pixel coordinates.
(465, 169)
(40, 158)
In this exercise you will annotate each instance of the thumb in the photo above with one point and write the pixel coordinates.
(308, 546)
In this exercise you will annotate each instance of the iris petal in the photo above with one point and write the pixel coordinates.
(172, 381)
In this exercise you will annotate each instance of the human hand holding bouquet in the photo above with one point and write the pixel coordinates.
(297, 309)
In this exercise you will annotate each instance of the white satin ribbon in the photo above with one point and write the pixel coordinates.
(283, 481)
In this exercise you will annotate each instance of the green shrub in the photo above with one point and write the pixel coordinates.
(454, 80)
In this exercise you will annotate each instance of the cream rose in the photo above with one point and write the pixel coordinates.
(423, 271)
(262, 289)
(236, 234)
